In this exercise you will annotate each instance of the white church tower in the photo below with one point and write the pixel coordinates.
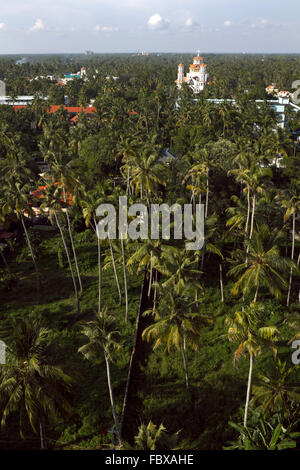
(196, 78)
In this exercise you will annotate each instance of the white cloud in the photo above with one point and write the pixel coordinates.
(190, 24)
(157, 22)
(2, 25)
(110, 29)
(264, 23)
(227, 23)
(106, 29)
(38, 25)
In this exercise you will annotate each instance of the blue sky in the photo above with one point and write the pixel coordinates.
(65, 26)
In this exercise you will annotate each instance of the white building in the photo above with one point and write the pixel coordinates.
(18, 101)
(196, 78)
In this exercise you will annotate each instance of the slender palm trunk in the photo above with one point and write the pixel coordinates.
(207, 191)
(248, 389)
(42, 435)
(125, 280)
(221, 283)
(141, 189)
(292, 259)
(115, 270)
(69, 261)
(155, 291)
(248, 213)
(252, 216)
(196, 297)
(72, 244)
(99, 270)
(256, 292)
(111, 396)
(150, 276)
(184, 365)
(29, 245)
(128, 183)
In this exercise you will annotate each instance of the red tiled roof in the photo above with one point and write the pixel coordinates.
(38, 193)
(69, 109)
(73, 109)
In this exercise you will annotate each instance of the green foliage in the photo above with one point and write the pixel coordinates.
(261, 434)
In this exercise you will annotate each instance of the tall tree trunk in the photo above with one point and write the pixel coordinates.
(115, 270)
(207, 191)
(150, 275)
(72, 243)
(125, 280)
(111, 396)
(155, 290)
(128, 183)
(141, 349)
(184, 364)
(69, 261)
(99, 270)
(292, 259)
(29, 245)
(42, 435)
(248, 389)
(221, 283)
(252, 216)
(248, 213)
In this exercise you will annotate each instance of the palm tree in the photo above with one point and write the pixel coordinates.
(29, 382)
(17, 201)
(263, 265)
(146, 174)
(291, 202)
(276, 390)
(127, 149)
(52, 205)
(102, 338)
(252, 176)
(248, 328)
(89, 204)
(60, 172)
(175, 325)
(200, 170)
(179, 267)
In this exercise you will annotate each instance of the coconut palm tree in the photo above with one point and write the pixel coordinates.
(29, 382)
(17, 201)
(102, 337)
(253, 177)
(291, 203)
(53, 206)
(179, 267)
(61, 173)
(264, 266)
(89, 203)
(248, 328)
(146, 173)
(175, 325)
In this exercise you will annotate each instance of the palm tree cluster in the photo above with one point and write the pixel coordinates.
(224, 157)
